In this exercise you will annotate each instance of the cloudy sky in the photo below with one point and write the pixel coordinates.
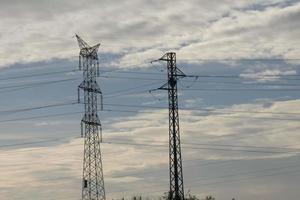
(239, 118)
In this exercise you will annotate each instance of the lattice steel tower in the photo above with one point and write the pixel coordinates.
(175, 163)
(92, 182)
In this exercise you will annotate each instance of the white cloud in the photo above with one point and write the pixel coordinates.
(43, 167)
(139, 31)
(268, 75)
(47, 167)
(40, 30)
(44, 123)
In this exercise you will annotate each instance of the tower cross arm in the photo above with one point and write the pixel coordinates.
(163, 58)
(94, 49)
(81, 43)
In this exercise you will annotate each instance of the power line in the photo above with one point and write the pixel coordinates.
(203, 109)
(220, 177)
(241, 59)
(239, 174)
(214, 111)
(194, 76)
(253, 177)
(226, 181)
(232, 175)
(127, 94)
(29, 143)
(243, 83)
(207, 90)
(127, 71)
(35, 84)
(246, 173)
(187, 145)
(38, 107)
(116, 110)
(30, 149)
(131, 88)
(223, 145)
(219, 115)
(241, 146)
(39, 74)
(37, 117)
(137, 72)
(160, 185)
(56, 72)
(243, 89)
(202, 148)
(185, 166)
(281, 85)
(132, 78)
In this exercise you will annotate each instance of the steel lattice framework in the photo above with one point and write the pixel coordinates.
(175, 162)
(92, 182)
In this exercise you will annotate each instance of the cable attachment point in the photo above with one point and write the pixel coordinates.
(78, 95)
(155, 97)
(81, 125)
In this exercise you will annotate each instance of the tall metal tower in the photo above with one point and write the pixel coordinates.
(92, 182)
(175, 163)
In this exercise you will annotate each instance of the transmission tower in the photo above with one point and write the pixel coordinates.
(92, 182)
(175, 163)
